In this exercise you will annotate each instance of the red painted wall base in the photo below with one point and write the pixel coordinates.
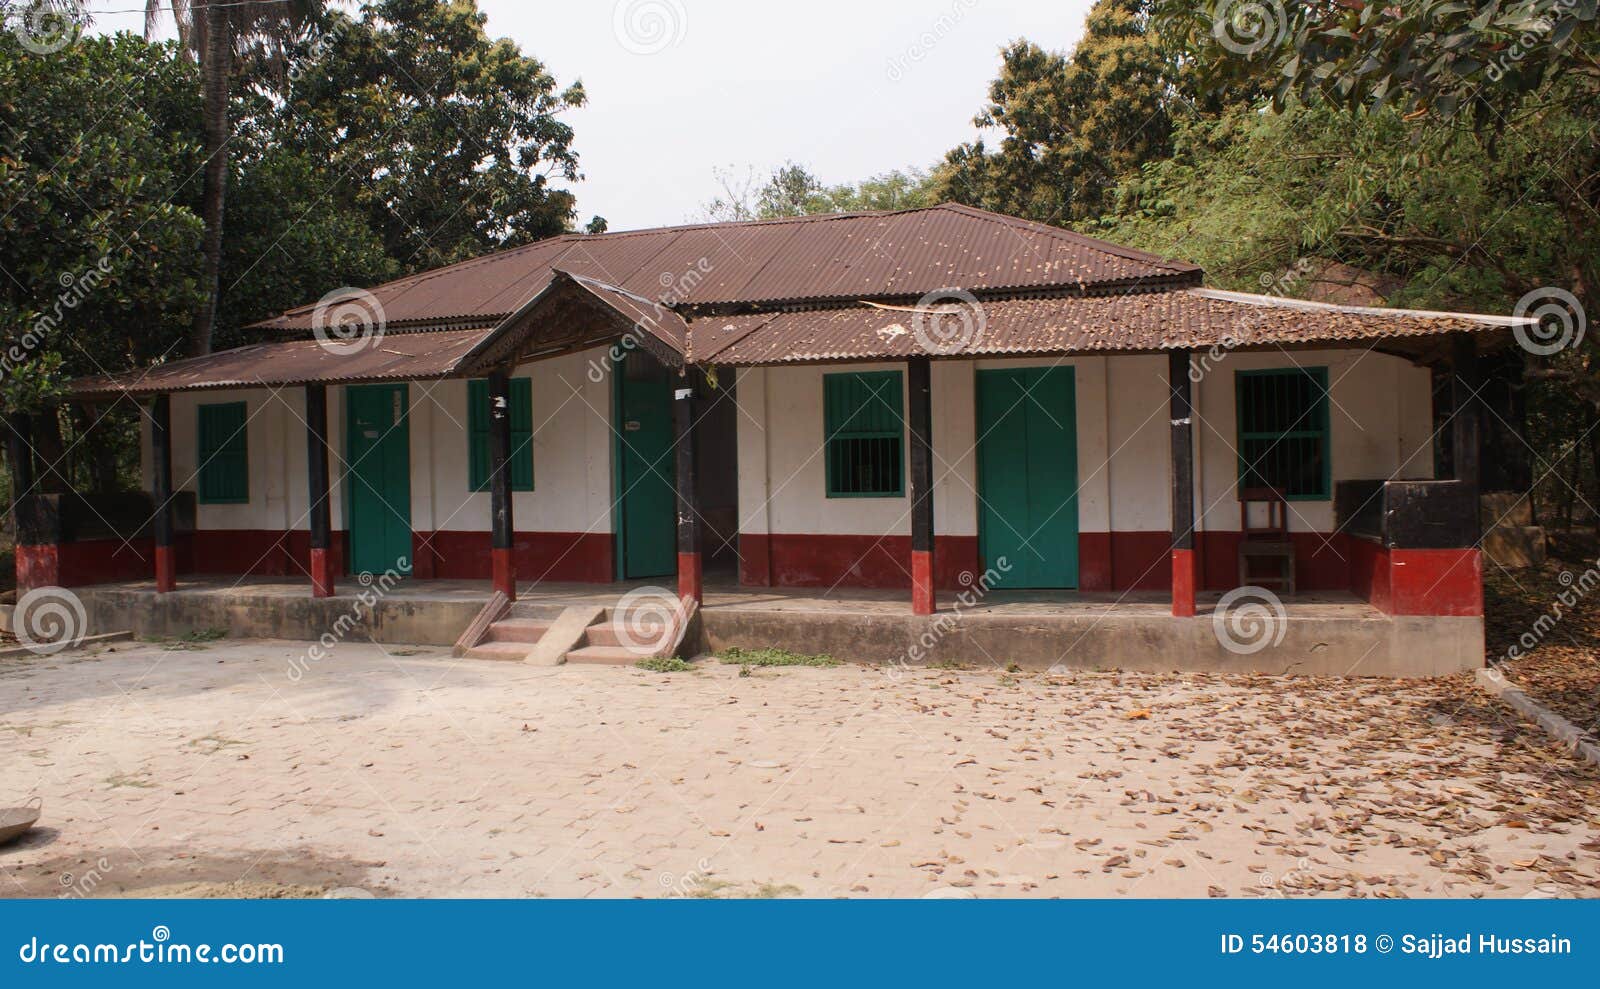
(38, 566)
(691, 585)
(505, 572)
(1445, 582)
(923, 599)
(1183, 577)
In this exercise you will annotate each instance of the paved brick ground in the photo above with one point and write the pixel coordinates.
(407, 772)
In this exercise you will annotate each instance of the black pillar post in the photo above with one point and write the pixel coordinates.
(689, 568)
(19, 451)
(501, 521)
(1182, 409)
(322, 564)
(161, 491)
(920, 388)
(1465, 423)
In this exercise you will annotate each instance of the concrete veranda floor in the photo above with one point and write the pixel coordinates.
(406, 772)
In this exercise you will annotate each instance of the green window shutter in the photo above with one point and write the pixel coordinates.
(478, 457)
(865, 433)
(1282, 417)
(224, 454)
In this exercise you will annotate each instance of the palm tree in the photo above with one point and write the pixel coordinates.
(220, 33)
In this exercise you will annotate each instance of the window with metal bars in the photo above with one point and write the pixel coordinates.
(478, 452)
(865, 434)
(224, 454)
(1283, 431)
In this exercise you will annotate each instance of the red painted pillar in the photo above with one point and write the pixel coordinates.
(924, 600)
(161, 491)
(690, 583)
(501, 522)
(322, 563)
(1183, 566)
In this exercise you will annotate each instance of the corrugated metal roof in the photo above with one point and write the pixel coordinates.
(393, 357)
(1150, 321)
(797, 259)
(1129, 323)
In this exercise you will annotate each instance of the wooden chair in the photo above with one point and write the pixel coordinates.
(1269, 542)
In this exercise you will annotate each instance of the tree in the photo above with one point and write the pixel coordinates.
(1075, 125)
(445, 138)
(219, 35)
(792, 189)
(99, 244)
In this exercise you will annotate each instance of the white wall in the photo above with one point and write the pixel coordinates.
(1380, 417)
(571, 456)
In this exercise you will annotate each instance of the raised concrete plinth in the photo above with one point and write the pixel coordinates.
(1323, 634)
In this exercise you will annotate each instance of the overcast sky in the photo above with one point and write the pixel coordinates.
(678, 88)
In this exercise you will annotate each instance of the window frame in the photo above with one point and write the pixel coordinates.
(479, 456)
(1322, 430)
(830, 434)
(206, 460)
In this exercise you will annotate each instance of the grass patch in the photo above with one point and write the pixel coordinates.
(195, 638)
(665, 664)
(773, 657)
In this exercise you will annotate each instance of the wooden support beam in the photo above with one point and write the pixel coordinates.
(501, 521)
(322, 563)
(1182, 409)
(161, 491)
(920, 393)
(690, 586)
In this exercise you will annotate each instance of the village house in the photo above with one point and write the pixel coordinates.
(843, 424)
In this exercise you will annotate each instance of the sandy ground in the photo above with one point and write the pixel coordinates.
(237, 768)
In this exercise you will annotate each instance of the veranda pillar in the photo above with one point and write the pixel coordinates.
(500, 543)
(919, 382)
(161, 491)
(690, 587)
(1182, 409)
(322, 566)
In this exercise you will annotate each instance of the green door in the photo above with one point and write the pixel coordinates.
(646, 470)
(377, 482)
(1028, 476)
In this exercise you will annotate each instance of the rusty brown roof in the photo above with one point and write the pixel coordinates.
(1149, 321)
(390, 357)
(805, 259)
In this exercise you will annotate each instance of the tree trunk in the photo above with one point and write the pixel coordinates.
(215, 63)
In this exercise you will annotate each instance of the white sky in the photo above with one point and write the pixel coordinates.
(850, 88)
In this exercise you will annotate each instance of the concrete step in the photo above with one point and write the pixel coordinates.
(604, 656)
(514, 652)
(607, 634)
(1510, 508)
(1513, 546)
(528, 630)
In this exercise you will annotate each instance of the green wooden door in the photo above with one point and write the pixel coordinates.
(377, 482)
(646, 471)
(1028, 475)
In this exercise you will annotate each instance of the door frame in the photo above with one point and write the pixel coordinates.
(1071, 370)
(348, 488)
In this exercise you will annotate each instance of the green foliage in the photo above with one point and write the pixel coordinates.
(95, 231)
(665, 664)
(734, 656)
(445, 138)
(1437, 56)
(792, 190)
(1075, 125)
